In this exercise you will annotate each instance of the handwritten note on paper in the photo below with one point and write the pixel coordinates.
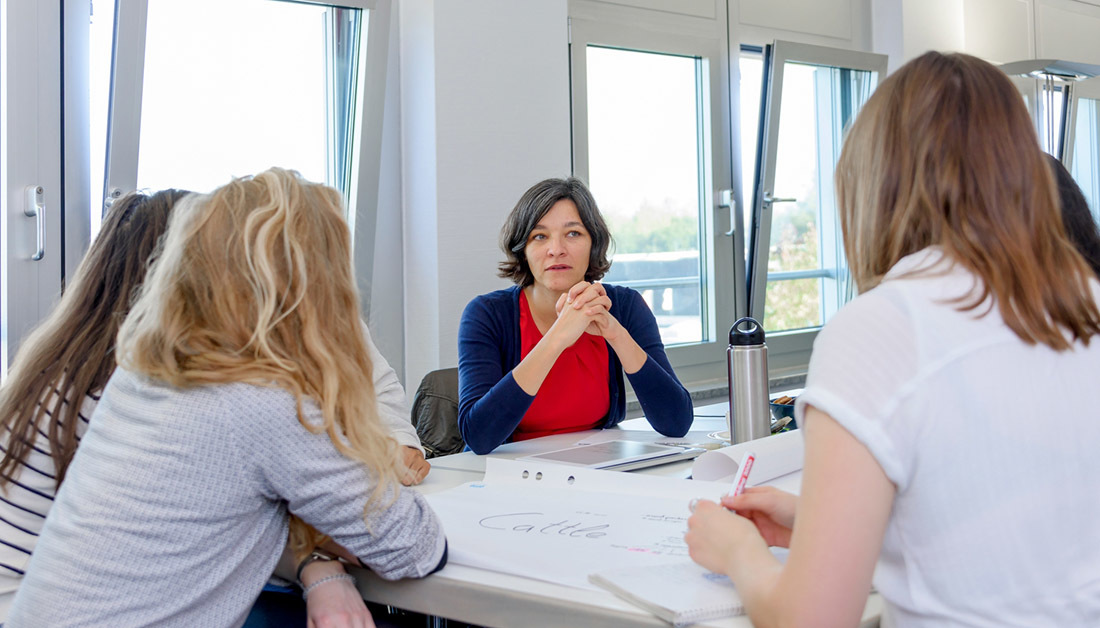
(562, 534)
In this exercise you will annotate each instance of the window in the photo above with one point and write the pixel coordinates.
(651, 137)
(31, 96)
(797, 271)
(1083, 156)
(645, 158)
(205, 90)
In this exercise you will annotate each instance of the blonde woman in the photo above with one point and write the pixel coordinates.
(244, 391)
(934, 407)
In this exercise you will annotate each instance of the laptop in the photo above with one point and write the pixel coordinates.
(618, 455)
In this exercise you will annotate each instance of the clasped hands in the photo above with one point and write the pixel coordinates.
(586, 308)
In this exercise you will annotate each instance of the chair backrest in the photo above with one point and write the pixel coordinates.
(435, 413)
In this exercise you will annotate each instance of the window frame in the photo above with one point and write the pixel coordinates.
(719, 248)
(33, 100)
(124, 118)
(788, 351)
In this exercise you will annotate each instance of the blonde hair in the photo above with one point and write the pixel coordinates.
(944, 154)
(255, 285)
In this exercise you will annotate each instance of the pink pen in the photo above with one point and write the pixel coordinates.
(743, 473)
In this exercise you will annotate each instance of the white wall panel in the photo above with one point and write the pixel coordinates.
(931, 25)
(386, 314)
(998, 30)
(418, 175)
(830, 18)
(697, 8)
(1069, 31)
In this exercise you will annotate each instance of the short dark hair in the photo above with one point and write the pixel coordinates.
(1076, 217)
(529, 210)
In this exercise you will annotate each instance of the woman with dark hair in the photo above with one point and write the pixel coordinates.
(1076, 217)
(934, 456)
(547, 355)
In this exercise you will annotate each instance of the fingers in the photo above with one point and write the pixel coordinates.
(416, 467)
(602, 302)
(699, 506)
(576, 290)
(775, 504)
(560, 304)
(583, 292)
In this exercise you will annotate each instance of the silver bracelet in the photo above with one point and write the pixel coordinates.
(320, 581)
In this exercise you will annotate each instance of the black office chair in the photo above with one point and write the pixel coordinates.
(435, 413)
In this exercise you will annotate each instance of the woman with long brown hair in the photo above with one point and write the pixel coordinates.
(244, 391)
(61, 368)
(934, 405)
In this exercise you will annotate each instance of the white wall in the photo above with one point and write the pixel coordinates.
(485, 114)
(386, 316)
(996, 30)
(1068, 30)
(838, 23)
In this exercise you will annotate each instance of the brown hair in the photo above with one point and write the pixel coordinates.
(529, 210)
(944, 154)
(71, 354)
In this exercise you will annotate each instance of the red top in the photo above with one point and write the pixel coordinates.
(575, 394)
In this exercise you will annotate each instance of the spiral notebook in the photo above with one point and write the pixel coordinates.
(680, 593)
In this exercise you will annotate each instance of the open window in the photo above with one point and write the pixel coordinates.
(798, 275)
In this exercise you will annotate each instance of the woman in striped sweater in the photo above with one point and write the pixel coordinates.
(70, 356)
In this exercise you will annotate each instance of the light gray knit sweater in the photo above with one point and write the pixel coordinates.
(174, 511)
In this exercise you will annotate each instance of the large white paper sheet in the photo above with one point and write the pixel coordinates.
(776, 456)
(560, 523)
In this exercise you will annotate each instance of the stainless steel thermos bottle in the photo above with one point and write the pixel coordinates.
(750, 416)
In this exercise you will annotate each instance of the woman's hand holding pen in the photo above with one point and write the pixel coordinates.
(770, 509)
(716, 537)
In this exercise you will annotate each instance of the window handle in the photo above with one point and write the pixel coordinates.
(725, 199)
(769, 199)
(36, 209)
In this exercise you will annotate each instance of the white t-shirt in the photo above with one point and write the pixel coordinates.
(993, 446)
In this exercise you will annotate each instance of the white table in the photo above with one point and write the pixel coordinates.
(488, 598)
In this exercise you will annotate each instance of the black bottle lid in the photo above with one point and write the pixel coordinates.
(746, 331)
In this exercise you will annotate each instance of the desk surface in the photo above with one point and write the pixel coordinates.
(488, 598)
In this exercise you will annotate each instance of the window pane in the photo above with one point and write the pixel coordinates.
(100, 35)
(793, 304)
(817, 103)
(752, 68)
(1086, 151)
(645, 151)
(232, 88)
(1051, 111)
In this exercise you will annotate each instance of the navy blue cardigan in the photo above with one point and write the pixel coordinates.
(491, 403)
